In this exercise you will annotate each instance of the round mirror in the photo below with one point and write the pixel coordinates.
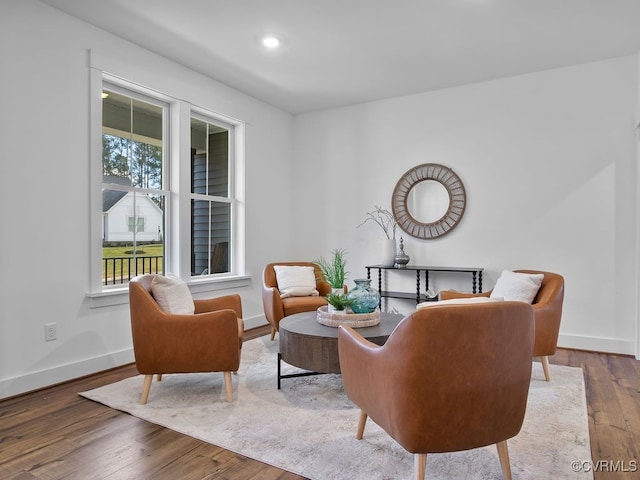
(428, 201)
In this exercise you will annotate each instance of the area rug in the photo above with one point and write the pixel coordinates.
(308, 427)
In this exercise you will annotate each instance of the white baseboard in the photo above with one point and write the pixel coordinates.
(597, 344)
(253, 322)
(61, 373)
(51, 376)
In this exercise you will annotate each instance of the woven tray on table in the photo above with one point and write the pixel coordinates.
(354, 320)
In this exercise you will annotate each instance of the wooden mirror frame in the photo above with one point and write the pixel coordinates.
(457, 201)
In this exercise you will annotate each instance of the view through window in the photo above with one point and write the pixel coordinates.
(211, 201)
(141, 229)
(133, 198)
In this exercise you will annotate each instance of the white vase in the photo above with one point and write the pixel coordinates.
(387, 252)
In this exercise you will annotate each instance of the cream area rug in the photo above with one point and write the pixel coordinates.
(308, 427)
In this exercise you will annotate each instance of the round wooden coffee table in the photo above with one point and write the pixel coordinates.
(307, 344)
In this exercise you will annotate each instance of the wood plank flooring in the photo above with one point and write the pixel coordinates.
(55, 434)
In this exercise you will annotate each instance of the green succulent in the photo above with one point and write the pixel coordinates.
(339, 301)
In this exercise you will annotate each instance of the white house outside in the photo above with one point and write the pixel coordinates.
(121, 219)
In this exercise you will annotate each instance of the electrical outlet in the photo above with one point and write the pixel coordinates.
(50, 331)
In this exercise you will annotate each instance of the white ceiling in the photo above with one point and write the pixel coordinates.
(342, 52)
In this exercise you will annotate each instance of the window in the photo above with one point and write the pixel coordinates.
(210, 196)
(148, 184)
(133, 166)
(136, 224)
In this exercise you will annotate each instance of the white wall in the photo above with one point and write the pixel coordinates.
(44, 194)
(549, 165)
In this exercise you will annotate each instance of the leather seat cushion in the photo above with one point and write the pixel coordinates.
(293, 305)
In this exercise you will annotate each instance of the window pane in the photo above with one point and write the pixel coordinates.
(210, 159)
(133, 226)
(210, 237)
(133, 222)
(132, 140)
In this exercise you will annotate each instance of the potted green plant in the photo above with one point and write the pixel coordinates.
(338, 301)
(334, 269)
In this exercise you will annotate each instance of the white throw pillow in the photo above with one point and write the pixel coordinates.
(296, 280)
(513, 286)
(459, 301)
(172, 295)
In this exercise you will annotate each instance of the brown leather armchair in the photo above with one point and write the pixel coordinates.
(547, 306)
(449, 378)
(207, 341)
(276, 308)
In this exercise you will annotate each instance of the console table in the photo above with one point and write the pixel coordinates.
(476, 279)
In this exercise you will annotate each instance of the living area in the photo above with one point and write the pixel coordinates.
(548, 158)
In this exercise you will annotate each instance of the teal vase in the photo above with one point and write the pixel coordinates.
(365, 299)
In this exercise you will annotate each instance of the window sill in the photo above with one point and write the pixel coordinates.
(197, 286)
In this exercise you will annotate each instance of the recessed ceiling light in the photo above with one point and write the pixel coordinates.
(270, 41)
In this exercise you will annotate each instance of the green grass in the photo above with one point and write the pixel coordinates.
(147, 251)
(142, 252)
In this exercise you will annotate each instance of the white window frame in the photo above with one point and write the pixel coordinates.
(210, 118)
(177, 241)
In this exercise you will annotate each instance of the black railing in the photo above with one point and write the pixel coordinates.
(117, 270)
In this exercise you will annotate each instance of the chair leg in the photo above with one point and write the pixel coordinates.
(229, 386)
(273, 332)
(419, 465)
(503, 454)
(545, 367)
(361, 423)
(159, 377)
(146, 387)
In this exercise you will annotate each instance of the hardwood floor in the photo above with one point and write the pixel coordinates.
(56, 434)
